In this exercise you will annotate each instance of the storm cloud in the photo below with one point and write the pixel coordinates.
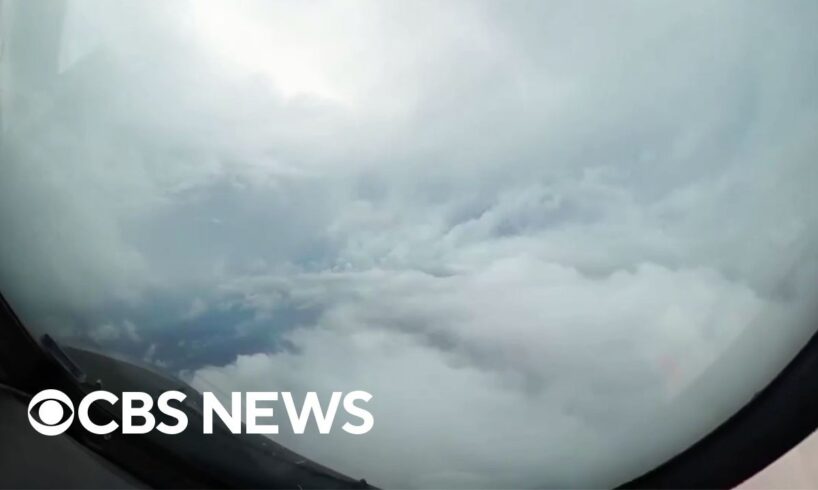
(548, 237)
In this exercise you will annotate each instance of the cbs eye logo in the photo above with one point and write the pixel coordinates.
(50, 412)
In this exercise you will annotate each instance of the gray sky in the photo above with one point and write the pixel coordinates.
(557, 241)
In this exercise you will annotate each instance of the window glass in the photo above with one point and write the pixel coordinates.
(558, 242)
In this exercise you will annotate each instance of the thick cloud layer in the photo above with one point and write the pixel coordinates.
(557, 243)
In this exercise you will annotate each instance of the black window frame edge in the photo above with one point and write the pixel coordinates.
(777, 419)
(27, 368)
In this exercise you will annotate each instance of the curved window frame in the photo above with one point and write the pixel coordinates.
(777, 419)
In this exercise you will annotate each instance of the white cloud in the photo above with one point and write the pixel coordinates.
(534, 231)
(523, 358)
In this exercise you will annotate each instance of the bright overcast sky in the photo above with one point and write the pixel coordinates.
(557, 241)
